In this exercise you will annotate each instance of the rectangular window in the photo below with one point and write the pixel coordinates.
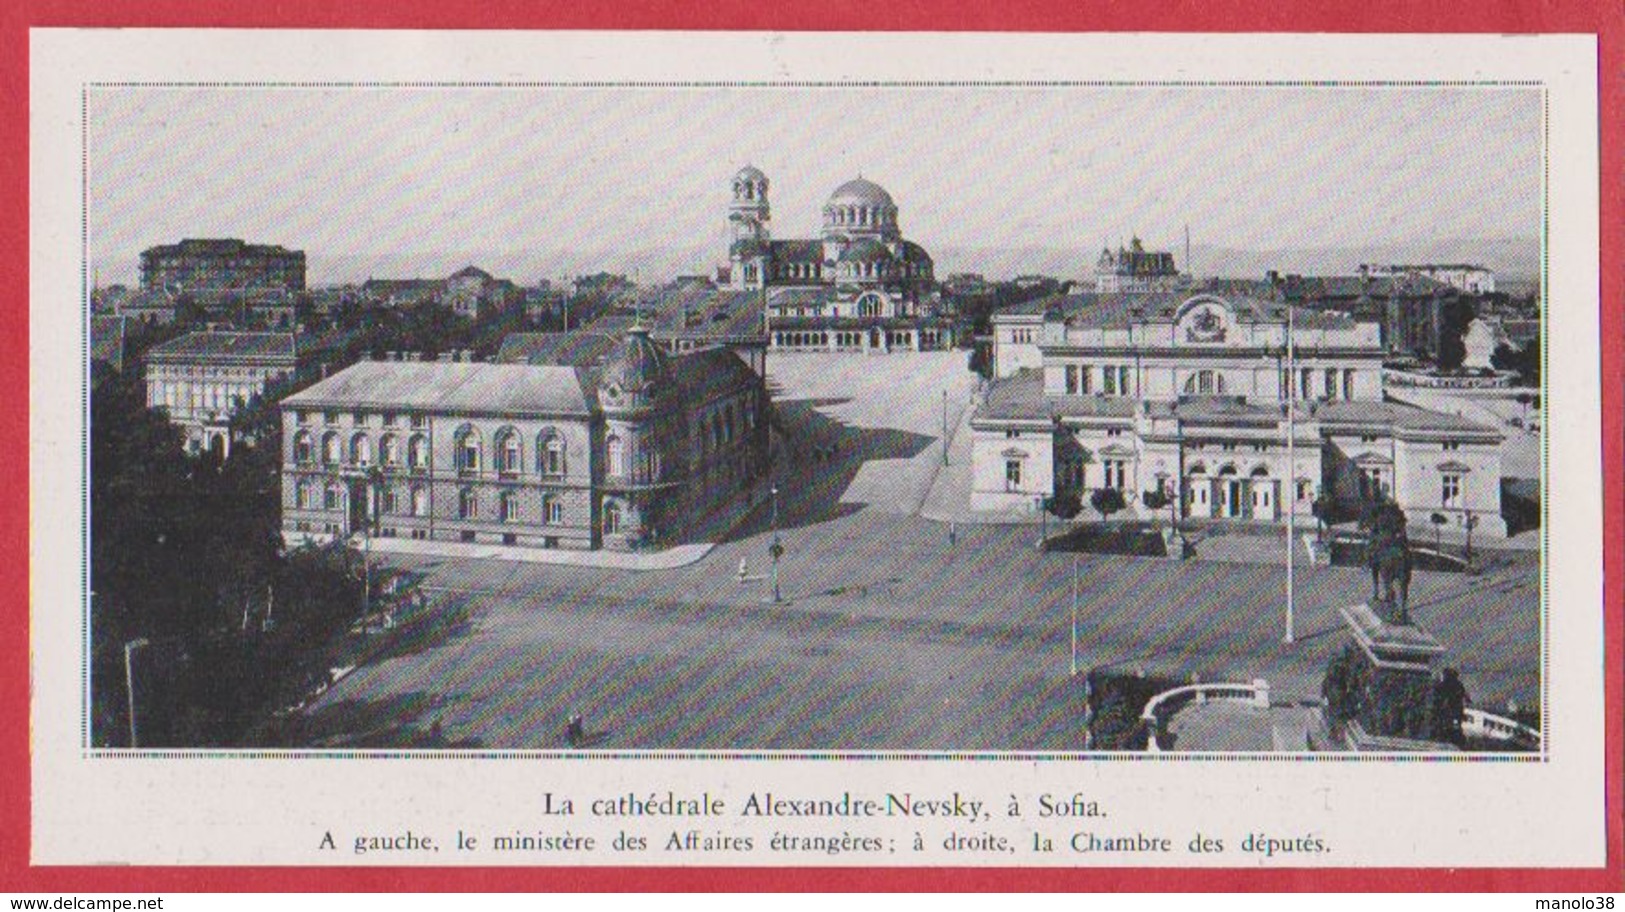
(1348, 384)
(1116, 471)
(390, 419)
(419, 421)
(1331, 383)
(1450, 490)
(302, 416)
(1108, 380)
(1123, 386)
(1450, 445)
(1085, 380)
(1012, 474)
(1071, 379)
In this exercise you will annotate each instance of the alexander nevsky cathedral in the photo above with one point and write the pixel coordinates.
(860, 286)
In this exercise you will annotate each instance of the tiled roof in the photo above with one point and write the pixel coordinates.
(226, 346)
(707, 372)
(798, 250)
(455, 387)
(1118, 310)
(1020, 397)
(1397, 415)
(694, 311)
(576, 348)
(799, 297)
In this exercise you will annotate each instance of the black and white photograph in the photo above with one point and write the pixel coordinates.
(945, 418)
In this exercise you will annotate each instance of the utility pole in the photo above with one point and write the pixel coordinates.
(1291, 471)
(1074, 615)
(129, 681)
(944, 427)
(776, 549)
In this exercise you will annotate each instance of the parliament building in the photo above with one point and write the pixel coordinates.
(1188, 393)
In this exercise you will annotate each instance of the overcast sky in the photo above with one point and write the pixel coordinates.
(367, 173)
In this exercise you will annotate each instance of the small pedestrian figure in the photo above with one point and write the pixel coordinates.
(574, 731)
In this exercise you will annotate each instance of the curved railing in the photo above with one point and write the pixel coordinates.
(1256, 693)
(1481, 724)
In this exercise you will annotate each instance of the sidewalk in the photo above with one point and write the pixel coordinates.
(948, 500)
(668, 559)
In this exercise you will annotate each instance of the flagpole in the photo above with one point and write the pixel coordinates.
(1291, 471)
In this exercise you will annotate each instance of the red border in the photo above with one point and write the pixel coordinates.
(1600, 17)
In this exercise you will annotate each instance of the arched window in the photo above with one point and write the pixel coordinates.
(420, 501)
(552, 510)
(333, 497)
(361, 450)
(302, 498)
(389, 500)
(389, 451)
(468, 450)
(301, 448)
(550, 453)
(612, 517)
(508, 506)
(468, 504)
(508, 452)
(614, 456)
(417, 452)
(331, 452)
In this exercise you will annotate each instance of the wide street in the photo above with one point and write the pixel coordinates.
(890, 636)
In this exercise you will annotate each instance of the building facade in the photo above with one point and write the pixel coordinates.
(203, 378)
(1466, 278)
(634, 449)
(1195, 395)
(859, 286)
(1134, 268)
(217, 264)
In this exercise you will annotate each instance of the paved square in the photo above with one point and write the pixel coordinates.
(892, 637)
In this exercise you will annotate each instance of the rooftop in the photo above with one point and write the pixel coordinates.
(437, 386)
(1020, 397)
(226, 346)
(1119, 310)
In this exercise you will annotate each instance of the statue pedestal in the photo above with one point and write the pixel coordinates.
(1396, 699)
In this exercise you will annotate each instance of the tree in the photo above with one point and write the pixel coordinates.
(1455, 314)
(1107, 501)
(1524, 361)
(1064, 504)
(1156, 499)
(1439, 521)
(1324, 509)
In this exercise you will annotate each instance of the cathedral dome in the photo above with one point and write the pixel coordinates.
(634, 373)
(750, 173)
(860, 192)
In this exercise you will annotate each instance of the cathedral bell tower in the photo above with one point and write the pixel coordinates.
(747, 222)
(748, 214)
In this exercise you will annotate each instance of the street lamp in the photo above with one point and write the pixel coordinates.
(944, 427)
(1074, 614)
(129, 680)
(374, 477)
(776, 549)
